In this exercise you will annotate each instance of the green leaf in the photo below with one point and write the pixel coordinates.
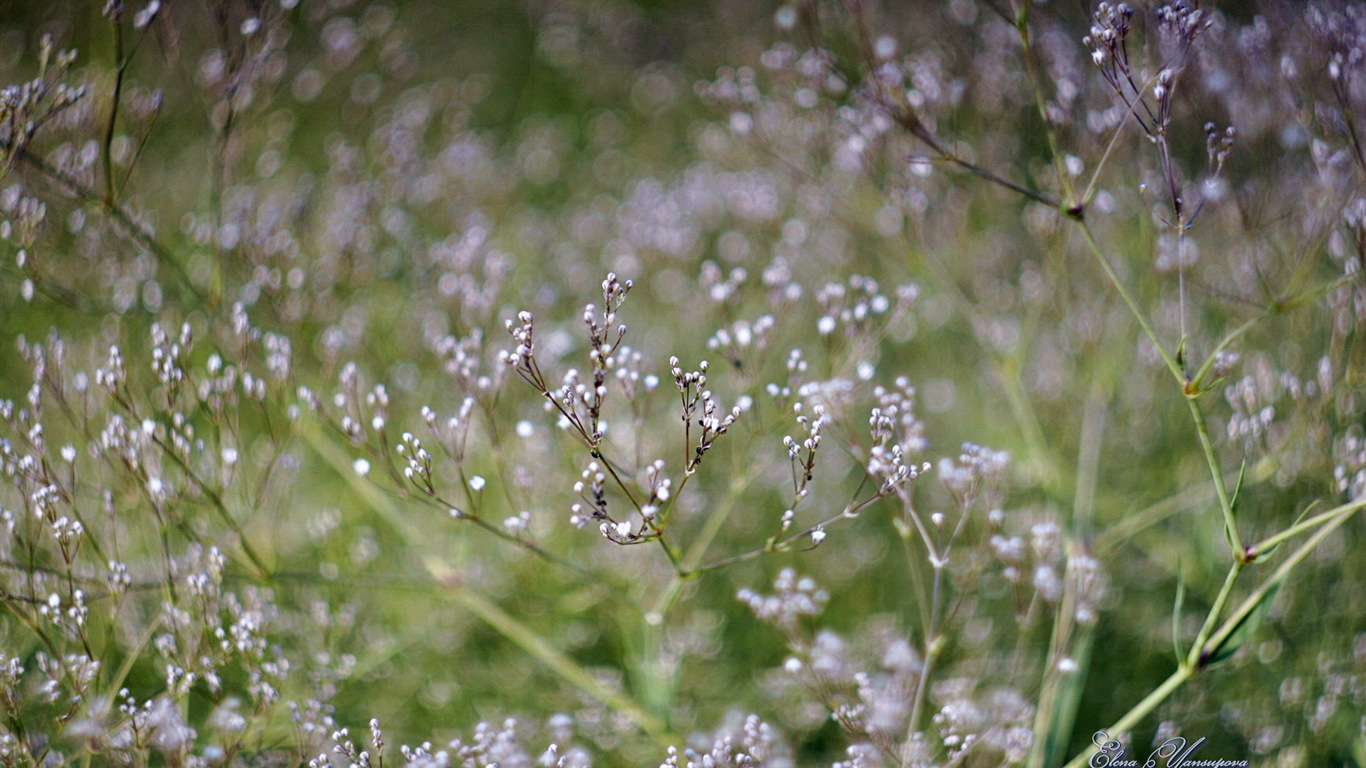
(1064, 704)
(1238, 486)
(1243, 631)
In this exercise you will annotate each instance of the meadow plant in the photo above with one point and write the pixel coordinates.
(591, 382)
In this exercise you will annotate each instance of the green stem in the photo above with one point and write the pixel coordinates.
(1141, 710)
(1230, 625)
(542, 651)
(1090, 190)
(120, 66)
(1217, 475)
(934, 644)
(1253, 600)
(1088, 463)
(1197, 383)
(1254, 549)
(1155, 513)
(720, 514)
(1032, 68)
(1215, 610)
(1045, 465)
(136, 231)
(1131, 303)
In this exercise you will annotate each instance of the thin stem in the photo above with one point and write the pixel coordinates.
(1254, 549)
(1032, 69)
(1253, 600)
(1031, 429)
(717, 519)
(1215, 610)
(851, 510)
(912, 124)
(933, 645)
(1090, 191)
(1088, 463)
(1216, 641)
(116, 212)
(1131, 303)
(984, 173)
(1217, 475)
(1043, 713)
(216, 501)
(538, 648)
(1153, 514)
(120, 65)
(1198, 381)
(1141, 710)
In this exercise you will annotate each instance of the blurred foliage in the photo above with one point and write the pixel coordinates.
(368, 178)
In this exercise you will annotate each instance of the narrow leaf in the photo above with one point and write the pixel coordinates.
(1238, 486)
(1066, 700)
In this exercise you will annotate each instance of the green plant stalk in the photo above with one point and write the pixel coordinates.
(1016, 397)
(1156, 512)
(1197, 381)
(542, 651)
(657, 685)
(1217, 475)
(1062, 698)
(1063, 623)
(1187, 671)
(1213, 461)
(1088, 463)
(129, 661)
(1141, 710)
(1043, 714)
(1090, 191)
(921, 691)
(934, 645)
(1030, 429)
(1280, 574)
(710, 529)
(1254, 549)
(120, 67)
(219, 506)
(1278, 306)
(1069, 201)
(717, 519)
(514, 631)
(1215, 610)
(1132, 303)
(136, 232)
(1061, 691)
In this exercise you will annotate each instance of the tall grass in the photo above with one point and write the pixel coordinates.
(965, 384)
